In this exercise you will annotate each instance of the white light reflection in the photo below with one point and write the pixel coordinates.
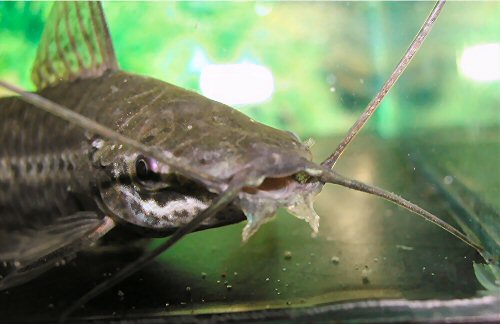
(481, 62)
(237, 84)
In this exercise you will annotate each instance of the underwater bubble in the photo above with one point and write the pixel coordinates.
(332, 89)
(287, 255)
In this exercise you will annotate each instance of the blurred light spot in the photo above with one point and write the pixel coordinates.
(237, 84)
(198, 61)
(263, 9)
(481, 62)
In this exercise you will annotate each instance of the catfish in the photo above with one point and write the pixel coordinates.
(96, 149)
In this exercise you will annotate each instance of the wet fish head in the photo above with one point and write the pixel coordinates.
(213, 139)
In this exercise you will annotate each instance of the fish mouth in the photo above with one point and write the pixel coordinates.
(294, 192)
(271, 185)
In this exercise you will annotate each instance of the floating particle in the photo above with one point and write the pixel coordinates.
(448, 180)
(288, 302)
(404, 247)
(188, 289)
(365, 273)
(167, 304)
(267, 279)
(235, 273)
(284, 269)
(50, 305)
(121, 294)
(229, 287)
(203, 275)
(287, 255)
(335, 259)
(218, 281)
(223, 275)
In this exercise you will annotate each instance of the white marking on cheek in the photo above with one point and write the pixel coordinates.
(115, 170)
(187, 204)
(164, 213)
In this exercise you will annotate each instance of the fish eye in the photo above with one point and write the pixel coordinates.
(146, 170)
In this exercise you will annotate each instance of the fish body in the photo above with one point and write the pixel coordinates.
(52, 170)
(129, 151)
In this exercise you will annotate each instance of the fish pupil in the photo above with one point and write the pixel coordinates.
(143, 170)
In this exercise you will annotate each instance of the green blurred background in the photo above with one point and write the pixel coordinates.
(327, 59)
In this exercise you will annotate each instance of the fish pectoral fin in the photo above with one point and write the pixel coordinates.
(75, 43)
(50, 245)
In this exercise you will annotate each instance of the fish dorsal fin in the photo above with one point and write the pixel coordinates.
(75, 44)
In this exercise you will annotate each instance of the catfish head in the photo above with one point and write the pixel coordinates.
(214, 140)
